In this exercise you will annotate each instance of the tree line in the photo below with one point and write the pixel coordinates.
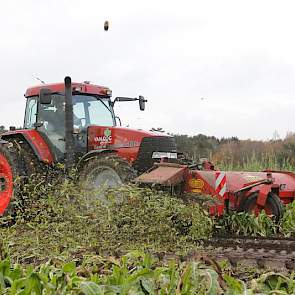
(233, 152)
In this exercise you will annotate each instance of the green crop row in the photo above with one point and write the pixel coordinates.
(134, 273)
(245, 224)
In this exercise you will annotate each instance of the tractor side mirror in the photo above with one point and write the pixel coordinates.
(142, 102)
(45, 96)
(140, 99)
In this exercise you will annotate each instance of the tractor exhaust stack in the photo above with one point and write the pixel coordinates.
(69, 123)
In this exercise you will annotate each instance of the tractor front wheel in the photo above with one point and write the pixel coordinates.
(273, 205)
(105, 171)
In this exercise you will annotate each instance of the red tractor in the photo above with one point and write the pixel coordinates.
(75, 124)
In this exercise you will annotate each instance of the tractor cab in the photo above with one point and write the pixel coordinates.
(92, 105)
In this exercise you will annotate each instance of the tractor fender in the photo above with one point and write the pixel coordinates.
(92, 154)
(35, 141)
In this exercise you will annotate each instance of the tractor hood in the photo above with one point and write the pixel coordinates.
(100, 137)
(141, 148)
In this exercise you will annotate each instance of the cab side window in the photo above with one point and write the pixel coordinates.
(31, 113)
(79, 115)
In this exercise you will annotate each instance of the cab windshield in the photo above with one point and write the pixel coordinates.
(91, 110)
(87, 110)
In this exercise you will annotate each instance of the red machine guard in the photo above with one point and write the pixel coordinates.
(262, 194)
(166, 174)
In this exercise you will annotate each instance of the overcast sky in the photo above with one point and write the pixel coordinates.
(237, 55)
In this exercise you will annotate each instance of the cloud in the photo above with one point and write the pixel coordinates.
(238, 55)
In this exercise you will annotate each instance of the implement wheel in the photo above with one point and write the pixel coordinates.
(273, 205)
(11, 172)
(105, 171)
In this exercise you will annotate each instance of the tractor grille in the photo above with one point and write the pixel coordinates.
(148, 146)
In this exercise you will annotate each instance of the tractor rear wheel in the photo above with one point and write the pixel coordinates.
(273, 205)
(105, 171)
(11, 176)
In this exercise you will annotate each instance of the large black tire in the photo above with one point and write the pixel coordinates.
(12, 174)
(273, 205)
(105, 171)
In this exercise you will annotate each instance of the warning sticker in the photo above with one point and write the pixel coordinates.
(196, 183)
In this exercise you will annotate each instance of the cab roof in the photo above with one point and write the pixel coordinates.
(84, 87)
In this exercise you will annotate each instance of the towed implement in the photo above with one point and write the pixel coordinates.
(227, 190)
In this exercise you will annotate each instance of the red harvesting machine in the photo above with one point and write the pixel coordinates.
(228, 190)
